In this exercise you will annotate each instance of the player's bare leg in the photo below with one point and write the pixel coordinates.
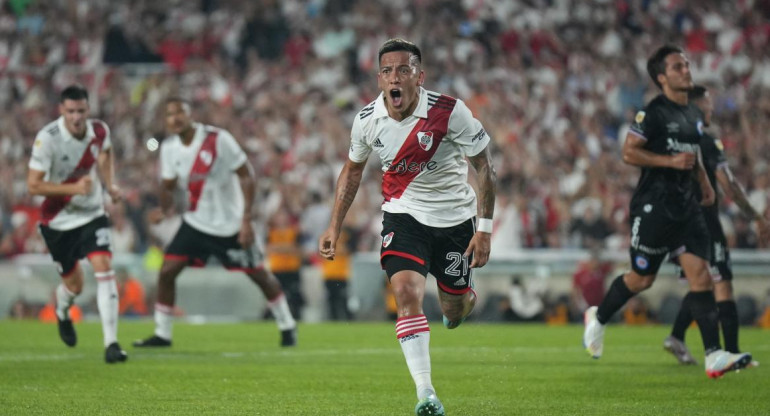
(456, 307)
(164, 307)
(413, 334)
(277, 303)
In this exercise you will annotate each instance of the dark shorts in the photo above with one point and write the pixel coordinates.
(720, 266)
(195, 248)
(654, 236)
(409, 245)
(68, 247)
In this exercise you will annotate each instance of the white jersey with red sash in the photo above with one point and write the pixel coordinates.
(425, 173)
(65, 159)
(206, 170)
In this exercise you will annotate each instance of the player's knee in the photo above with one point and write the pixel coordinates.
(638, 283)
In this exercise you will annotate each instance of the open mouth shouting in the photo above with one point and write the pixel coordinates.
(395, 97)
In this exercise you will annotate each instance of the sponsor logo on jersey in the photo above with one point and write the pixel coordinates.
(642, 262)
(206, 157)
(640, 116)
(479, 135)
(672, 127)
(378, 143)
(425, 140)
(679, 147)
(460, 282)
(402, 166)
(387, 239)
(38, 143)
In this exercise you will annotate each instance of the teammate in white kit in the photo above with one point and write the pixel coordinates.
(63, 168)
(422, 139)
(209, 164)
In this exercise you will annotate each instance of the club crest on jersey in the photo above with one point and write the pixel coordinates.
(387, 239)
(206, 157)
(425, 139)
(641, 262)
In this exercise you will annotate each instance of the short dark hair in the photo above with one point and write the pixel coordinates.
(656, 65)
(697, 92)
(74, 92)
(397, 45)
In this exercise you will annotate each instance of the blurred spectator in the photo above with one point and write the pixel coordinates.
(131, 294)
(555, 84)
(637, 312)
(284, 255)
(335, 274)
(525, 303)
(588, 284)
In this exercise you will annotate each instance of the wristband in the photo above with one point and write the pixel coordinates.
(485, 225)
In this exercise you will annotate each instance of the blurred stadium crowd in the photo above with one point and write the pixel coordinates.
(556, 83)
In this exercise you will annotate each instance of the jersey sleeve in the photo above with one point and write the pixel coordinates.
(719, 153)
(645, 124)
(107, 144)
(465, 131)
(232, 152)
(166, 162)
(359, 148)
(41, 159)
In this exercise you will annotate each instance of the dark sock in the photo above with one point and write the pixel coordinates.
(703, 307)
(615, 298)
(682, 321)
(728, 317)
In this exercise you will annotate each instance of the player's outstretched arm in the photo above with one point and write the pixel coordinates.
(347, 187)
(735, 191)
(480, 245)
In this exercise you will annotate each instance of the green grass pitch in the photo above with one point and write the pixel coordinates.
(358, 369)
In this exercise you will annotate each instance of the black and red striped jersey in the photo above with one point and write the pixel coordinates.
(425, 171)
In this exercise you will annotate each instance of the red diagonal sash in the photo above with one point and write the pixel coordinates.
(52, 205)
(407, 163)
(204, 161)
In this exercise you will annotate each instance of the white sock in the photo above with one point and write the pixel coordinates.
(164, 317)
(414, 335)
(280, 309)
(64, 299)
(107, 301)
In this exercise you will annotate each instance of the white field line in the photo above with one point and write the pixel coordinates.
(176, 356)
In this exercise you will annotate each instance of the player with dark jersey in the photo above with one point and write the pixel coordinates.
(666, 219)
(718, 171)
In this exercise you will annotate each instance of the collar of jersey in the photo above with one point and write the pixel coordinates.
(65, 133)
(420, 111)
(198, 133)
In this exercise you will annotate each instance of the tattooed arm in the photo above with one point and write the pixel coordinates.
(480, 244)
(735, 191)
(347, 187)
